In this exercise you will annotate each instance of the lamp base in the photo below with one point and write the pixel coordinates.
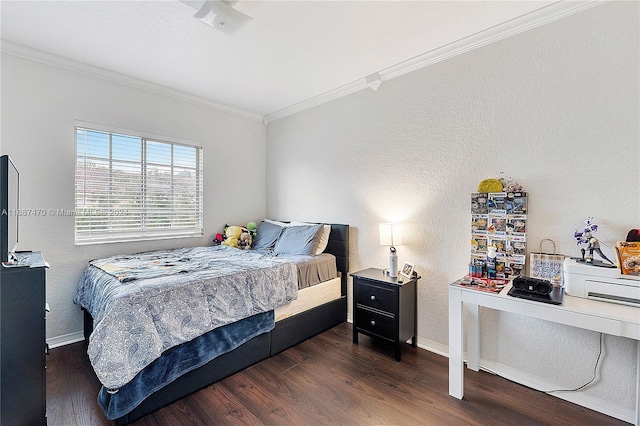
(393, 264)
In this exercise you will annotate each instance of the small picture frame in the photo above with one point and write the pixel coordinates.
(407, 270)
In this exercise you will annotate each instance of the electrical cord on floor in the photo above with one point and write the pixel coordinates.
(595, 372)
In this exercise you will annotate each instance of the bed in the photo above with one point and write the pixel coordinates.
(189, 363)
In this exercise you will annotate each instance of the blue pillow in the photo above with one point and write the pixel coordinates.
(299, 240)
(266, 236)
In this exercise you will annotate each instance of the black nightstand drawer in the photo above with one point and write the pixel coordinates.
(375, 297)
(375, 323)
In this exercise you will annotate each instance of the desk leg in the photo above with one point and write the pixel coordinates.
(473, 336)
(456, 363)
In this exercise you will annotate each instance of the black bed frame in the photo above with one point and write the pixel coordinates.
(287, 333)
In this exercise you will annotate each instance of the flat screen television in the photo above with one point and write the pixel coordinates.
(9, 207)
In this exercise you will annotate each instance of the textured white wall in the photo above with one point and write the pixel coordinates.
(39, 106)
(556, 107)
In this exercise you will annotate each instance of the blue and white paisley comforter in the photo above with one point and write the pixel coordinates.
(141, 312)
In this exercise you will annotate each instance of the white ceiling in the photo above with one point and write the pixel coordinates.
(291, 53)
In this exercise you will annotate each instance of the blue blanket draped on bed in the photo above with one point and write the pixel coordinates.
(152, 310)
(182, 359)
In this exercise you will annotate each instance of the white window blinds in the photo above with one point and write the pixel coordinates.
(131, 188)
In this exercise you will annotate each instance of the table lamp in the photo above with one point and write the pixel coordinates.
(391, 235)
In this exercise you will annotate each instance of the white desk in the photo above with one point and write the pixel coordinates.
(609, 318)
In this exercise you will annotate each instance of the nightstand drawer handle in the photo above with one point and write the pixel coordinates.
(373, 297)
(373, 322)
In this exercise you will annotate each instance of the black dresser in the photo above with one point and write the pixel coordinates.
(23, 345)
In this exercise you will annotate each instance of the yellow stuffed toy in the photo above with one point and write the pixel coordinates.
(236, 236)
(490, 185)
(232, 235)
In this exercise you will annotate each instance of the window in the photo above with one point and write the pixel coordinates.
(131, 188)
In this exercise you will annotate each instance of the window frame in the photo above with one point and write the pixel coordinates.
(145, 231)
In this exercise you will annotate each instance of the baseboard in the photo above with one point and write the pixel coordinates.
(435, 347)
(579, 398)
(66, 339)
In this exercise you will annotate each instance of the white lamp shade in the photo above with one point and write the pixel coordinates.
(390, 234)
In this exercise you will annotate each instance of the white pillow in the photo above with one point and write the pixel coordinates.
(277, 222)
(324, 238)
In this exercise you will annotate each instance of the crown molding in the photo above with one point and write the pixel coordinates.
(543, 16)
(331, 95)
(40, 56)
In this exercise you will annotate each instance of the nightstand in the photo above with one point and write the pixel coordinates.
(385, 307)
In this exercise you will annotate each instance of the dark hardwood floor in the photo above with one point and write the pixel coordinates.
(326, 380)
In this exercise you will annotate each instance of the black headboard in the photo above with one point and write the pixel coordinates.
(339, 247)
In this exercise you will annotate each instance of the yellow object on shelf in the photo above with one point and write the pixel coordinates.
(490, 185)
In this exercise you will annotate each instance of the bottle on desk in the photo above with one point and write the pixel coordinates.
(491, 262)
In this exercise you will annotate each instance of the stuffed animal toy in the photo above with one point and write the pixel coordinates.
(502, 183)
(248, 233)
(245, 241)
(252, 228)
(236, 236)
(490, 185)
(511, 185)
(232, 235)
